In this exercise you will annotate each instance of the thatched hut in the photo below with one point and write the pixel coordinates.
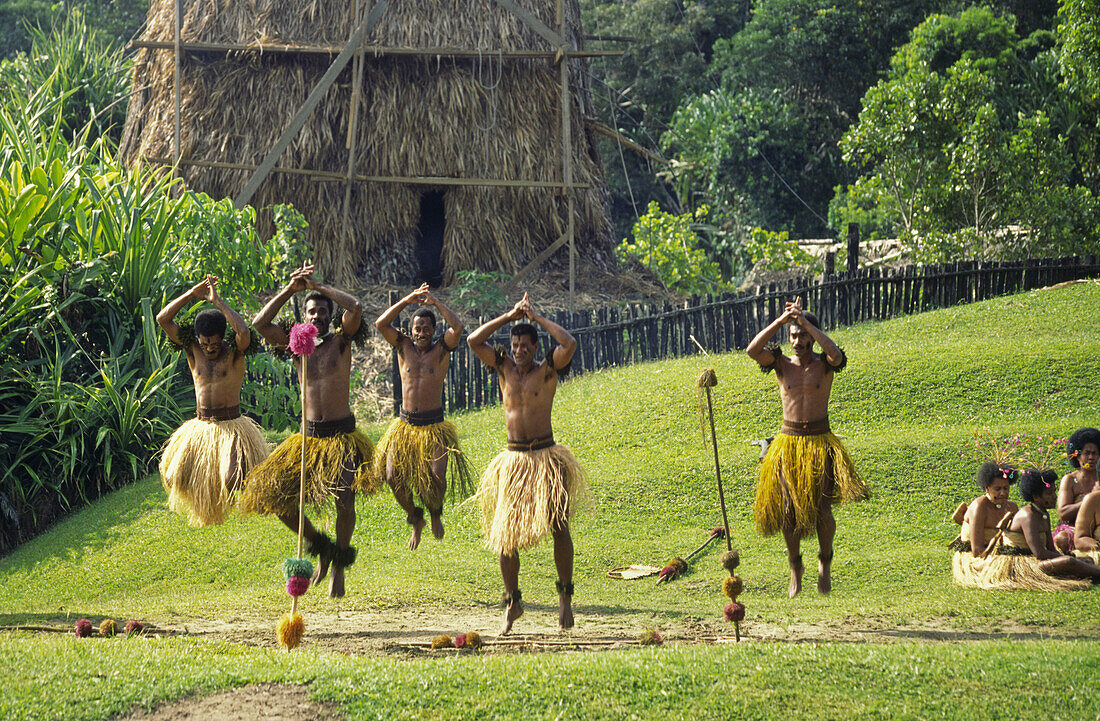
(484, 115)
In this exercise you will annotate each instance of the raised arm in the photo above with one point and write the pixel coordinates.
(384, 324)
(244, 338)
(831, 350)
(353, 309)
(270, 332)
(453, 336)
(567, 344)
(166, 318)
(756, 349)
(479, 339)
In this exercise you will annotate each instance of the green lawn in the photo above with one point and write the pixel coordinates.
(909, 402)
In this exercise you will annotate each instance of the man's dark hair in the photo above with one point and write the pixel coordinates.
(991, 471)
(1033, 482)
(318, 295)
(526, 329)
(425, 313)
(812, 318)
(210, 323)
(1077, 442)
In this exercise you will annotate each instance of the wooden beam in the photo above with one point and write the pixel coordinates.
(533, 22)
(534, 264)
(567, 159)
(353, 121)
(375, 50)
(177, 147)
(311, 102)
(626, 142)
(330, 176)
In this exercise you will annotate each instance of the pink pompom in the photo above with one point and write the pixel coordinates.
(302, 336)
(460, 640)
(735, 612)
(297, 585)
(133, 627)
(83, 628)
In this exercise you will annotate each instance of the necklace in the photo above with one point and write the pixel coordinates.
(1038, 510)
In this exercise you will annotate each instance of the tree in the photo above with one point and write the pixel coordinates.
(958, 145)
(1079, 30)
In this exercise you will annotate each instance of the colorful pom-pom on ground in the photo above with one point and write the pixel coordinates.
(108, 627)
(732, 587)
(460, 641)
(651, 638)
(83, 628)
(297, 586)
(301, 567)
(442, 641)
(473, 641)
(133, 628)
(735, 612)
(291, 628)
(731, 560)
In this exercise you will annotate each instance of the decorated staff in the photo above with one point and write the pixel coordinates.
(303, 339)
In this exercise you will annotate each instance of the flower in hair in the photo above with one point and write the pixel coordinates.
(303, 339)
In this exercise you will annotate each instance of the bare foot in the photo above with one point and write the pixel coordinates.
(565, 611)
(437, 526)
(796, 579)
(824, 575)
(418, 526)
(336, 583)
(511, 613)
(1061, 542)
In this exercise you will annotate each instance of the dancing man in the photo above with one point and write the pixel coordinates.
(413, 454)
(806, 469)
(207, 458)
(530, 489)
(338, 455)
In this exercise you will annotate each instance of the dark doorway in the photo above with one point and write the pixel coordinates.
(429, 238)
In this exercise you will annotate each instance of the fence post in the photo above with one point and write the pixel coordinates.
(853, 246)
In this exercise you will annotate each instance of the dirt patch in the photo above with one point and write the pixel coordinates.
(267, 701)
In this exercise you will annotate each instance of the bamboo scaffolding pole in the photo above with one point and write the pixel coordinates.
(353, 122)
(374, 50)
(176, 149)
(327, 175)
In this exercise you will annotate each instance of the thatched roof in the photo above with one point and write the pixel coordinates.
(439, 117)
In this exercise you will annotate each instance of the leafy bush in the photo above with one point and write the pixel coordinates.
(668, 246)
(477, 290)
(776, 250)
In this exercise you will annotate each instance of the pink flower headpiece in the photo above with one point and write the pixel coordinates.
(303, 339)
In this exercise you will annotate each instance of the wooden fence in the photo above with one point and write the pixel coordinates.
(638, 332)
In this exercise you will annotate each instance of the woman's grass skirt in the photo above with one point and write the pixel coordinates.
(1012, 567)
(410, 450)
(523, 495)
(796, 473)
(272, 488)
(1092, 557)
(194, 466)
(966, 569)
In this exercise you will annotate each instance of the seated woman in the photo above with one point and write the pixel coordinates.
(1087, 528)
(980, 522)
(1083, 450)
(1025, 557)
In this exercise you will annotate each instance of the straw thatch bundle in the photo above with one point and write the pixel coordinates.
(441, 117)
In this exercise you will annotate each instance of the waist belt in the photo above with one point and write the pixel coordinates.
(531, 444)
(218, 414)
(805, 428)
(328, 429)
(422, 418)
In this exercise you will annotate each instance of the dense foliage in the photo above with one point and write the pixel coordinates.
(89, 252)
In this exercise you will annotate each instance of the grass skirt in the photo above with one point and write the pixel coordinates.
(272, 488)
(195, 463)
(1092, 557)
(1013, 572)
(811, 466)
(523, 495)
(967, 570)
(411, 449)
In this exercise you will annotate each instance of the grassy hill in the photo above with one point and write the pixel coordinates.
(907, 406)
